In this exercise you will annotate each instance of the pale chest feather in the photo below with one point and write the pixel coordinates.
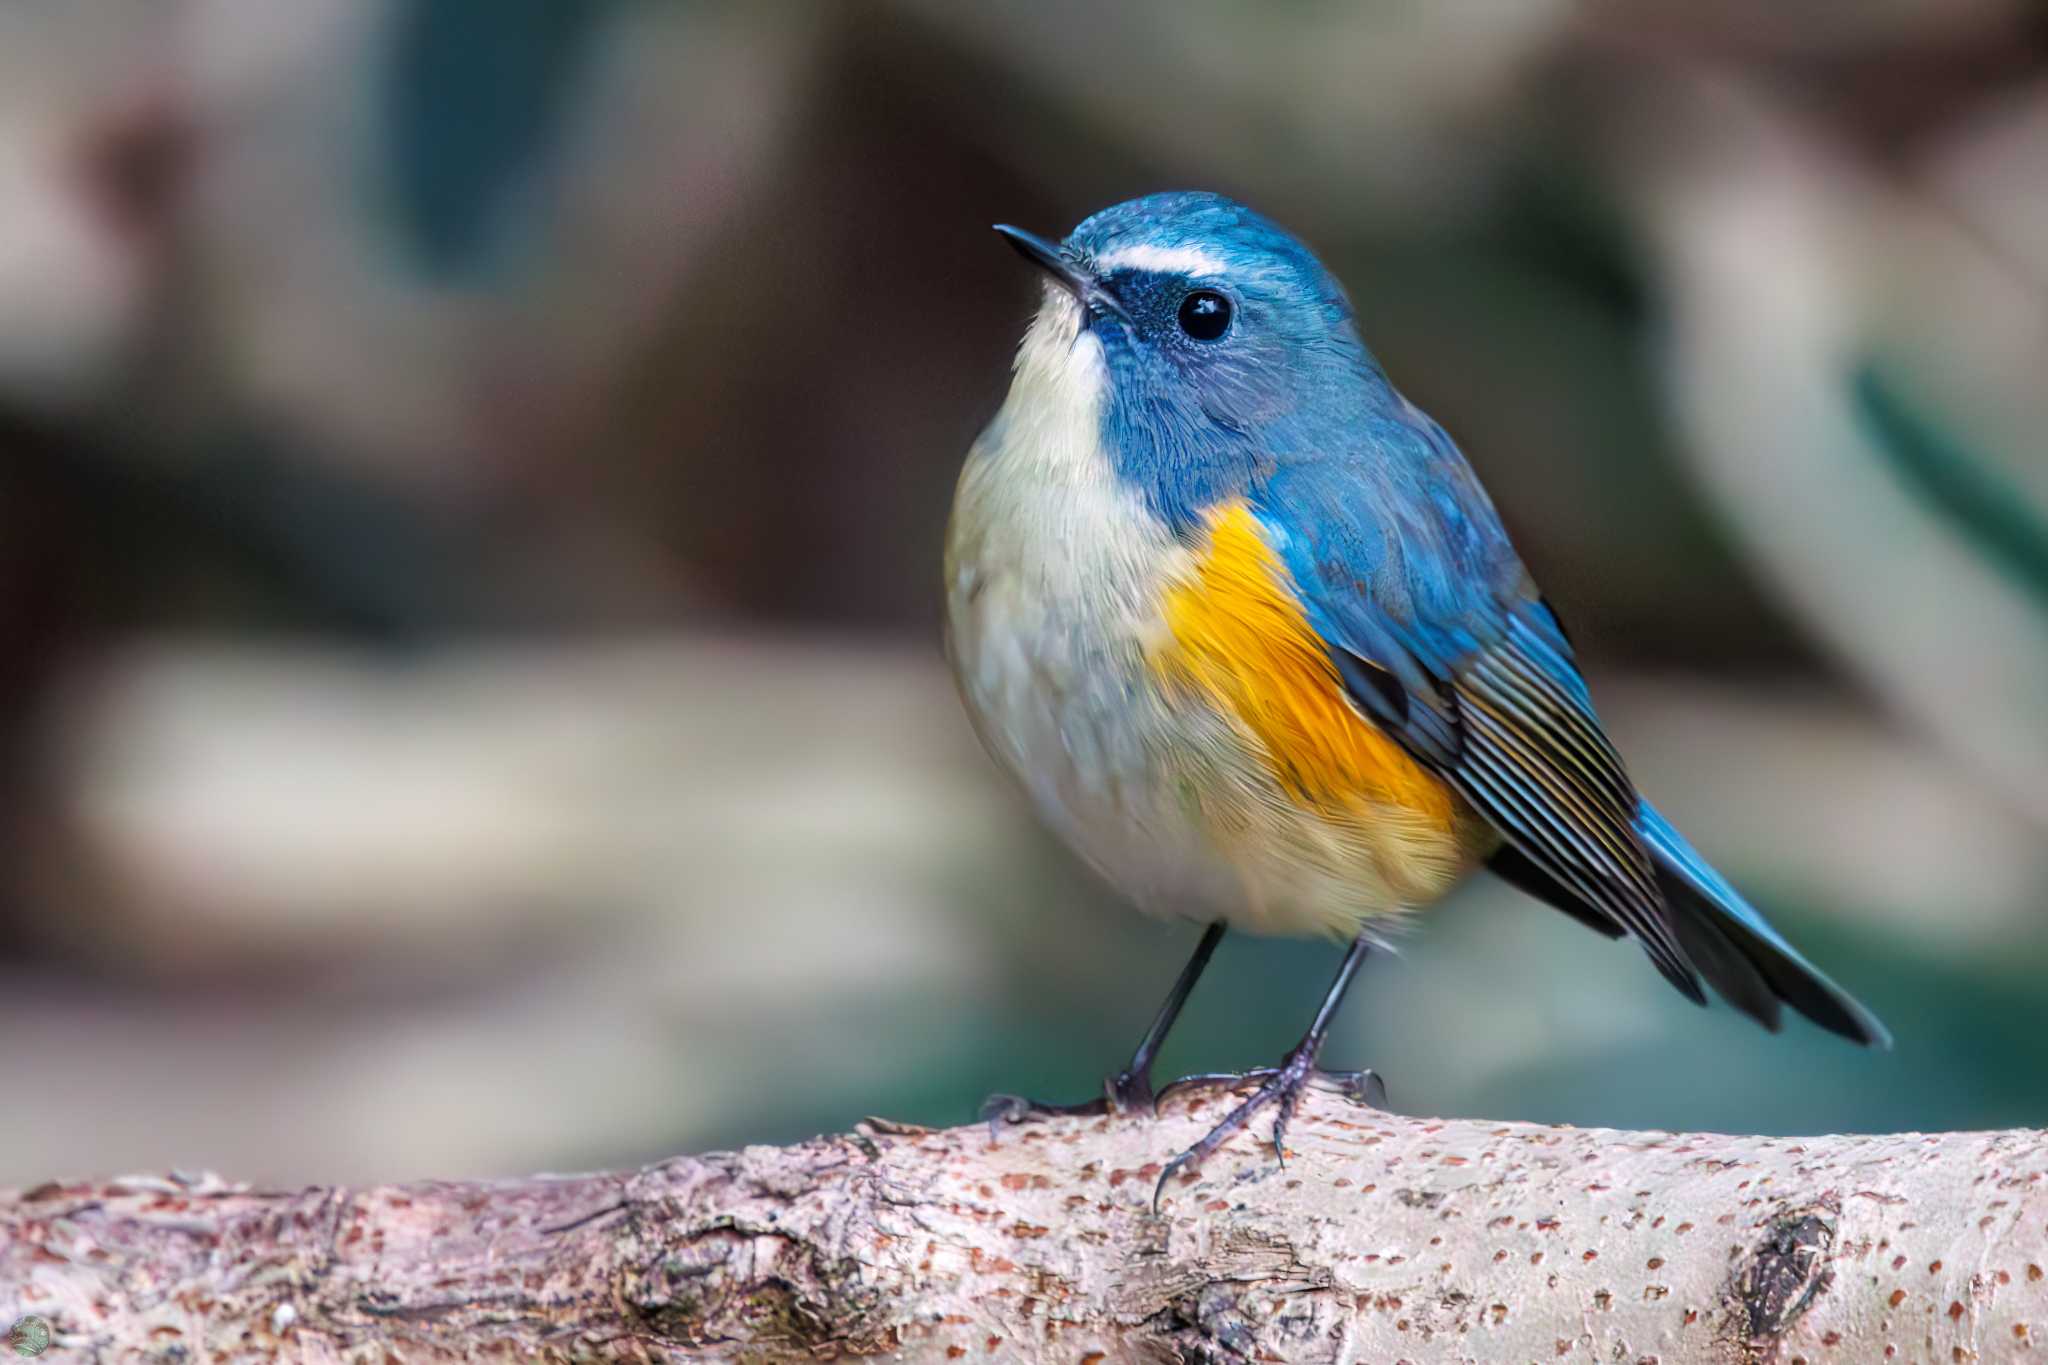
(1054, 578)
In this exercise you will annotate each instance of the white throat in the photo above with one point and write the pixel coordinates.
(1040, 500)
(1061, 380)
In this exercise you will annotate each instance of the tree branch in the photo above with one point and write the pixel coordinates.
(1384, 1238)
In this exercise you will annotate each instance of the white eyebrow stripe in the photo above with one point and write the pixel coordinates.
(1167, 260)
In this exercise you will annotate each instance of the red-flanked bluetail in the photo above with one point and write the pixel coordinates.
(1240, 619)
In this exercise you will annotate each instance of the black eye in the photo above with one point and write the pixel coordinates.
(1205, 315)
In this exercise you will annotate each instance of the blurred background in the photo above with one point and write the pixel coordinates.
(471, 488)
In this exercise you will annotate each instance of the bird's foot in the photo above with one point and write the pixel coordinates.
(1124, 1094)
(1365, 1087)
(1280, 1088)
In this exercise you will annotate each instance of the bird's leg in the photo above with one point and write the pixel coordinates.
(1131, 1088)
(1129, 1091)
(1282, 1085)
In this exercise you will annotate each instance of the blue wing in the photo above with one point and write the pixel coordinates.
(1442, 638)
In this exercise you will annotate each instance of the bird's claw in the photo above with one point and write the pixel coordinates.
(1214, 1080)
(1001, 1111)
(1365, 1087)
(998, 1110)
(1124, 1094)
(1283, 1086)
(1127, 1093)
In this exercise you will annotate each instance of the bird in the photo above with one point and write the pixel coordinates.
(1241, 621)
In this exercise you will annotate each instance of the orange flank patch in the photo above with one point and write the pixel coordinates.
(1240, 640)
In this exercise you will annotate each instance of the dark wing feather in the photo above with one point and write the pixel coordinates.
(1536, 764)
(1440, 637)
(1513, 867)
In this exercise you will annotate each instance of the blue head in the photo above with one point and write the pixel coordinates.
(1228, 348)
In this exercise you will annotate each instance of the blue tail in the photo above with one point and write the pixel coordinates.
(1736, 949)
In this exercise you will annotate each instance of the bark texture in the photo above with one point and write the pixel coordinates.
(1383, 1239)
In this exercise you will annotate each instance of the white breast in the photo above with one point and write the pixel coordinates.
(1054, 574)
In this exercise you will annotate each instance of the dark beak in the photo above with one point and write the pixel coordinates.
(1079, 282)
